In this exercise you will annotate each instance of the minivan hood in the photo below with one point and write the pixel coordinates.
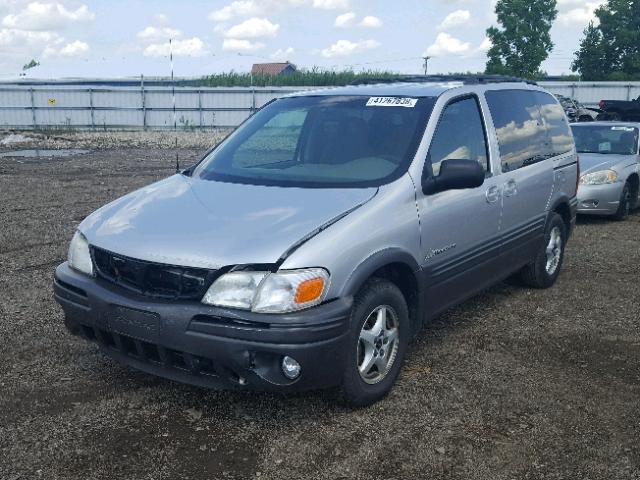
(593, 162)
(200, 223)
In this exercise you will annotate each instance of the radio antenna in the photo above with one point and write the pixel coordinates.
(173, 99)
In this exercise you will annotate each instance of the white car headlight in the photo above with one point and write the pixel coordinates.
(599, 178)
(79, 257)
(264, 292)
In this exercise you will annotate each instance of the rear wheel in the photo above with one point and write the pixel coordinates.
(378, 342)
(624, 207)
(544, 270)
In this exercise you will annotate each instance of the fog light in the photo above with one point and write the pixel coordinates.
(290, 368)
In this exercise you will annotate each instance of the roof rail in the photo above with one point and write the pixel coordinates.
(466, 79)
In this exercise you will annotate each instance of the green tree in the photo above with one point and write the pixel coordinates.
(523, 42)
(589, 59)
(610, 50)
(31, 64)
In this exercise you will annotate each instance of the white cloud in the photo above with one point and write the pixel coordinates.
(188, 47)
(236, 9)
(579, 16)
(161, 19)
(39, 16)
(455, 19)
(73, 49)
(241, 46)
(445, 44)
(371, 22)
(485, 45)
(345, 20)
(282, 55)
(331, 4)
(154, 34)
(344, 48)
(253, 28)
(240, 8)
(16, 41)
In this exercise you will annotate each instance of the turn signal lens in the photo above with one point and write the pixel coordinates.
(309, 290)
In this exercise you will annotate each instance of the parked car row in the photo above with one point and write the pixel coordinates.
(310, 246)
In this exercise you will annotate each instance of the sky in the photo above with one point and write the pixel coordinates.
(116, 38)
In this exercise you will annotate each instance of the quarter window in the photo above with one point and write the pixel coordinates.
(459, 136)
(559, 135)
(521, 133)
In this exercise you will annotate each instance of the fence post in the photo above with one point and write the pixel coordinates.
(573, 90)
(253, 100)
(200, 106)
(628, 92)
(93, 119)
(144, 103)
(33, 109)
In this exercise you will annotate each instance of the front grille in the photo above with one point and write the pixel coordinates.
(152, 279)
(157, 355)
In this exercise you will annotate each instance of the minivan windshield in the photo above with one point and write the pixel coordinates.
(322, 141)
(606, 139)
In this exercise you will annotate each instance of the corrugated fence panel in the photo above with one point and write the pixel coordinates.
(13, 98)
(590, 93)
(118, 118)
(97, 106)
(123, 98)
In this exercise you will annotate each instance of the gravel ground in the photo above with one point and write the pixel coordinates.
(513, 384)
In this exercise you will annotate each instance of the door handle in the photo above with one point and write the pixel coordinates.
(492, 194)
(510, 188)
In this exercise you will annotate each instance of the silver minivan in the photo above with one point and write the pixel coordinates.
(309, 247)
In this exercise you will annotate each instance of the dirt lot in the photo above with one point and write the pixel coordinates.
(513, 384)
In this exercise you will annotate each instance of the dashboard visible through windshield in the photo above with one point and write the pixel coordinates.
(322, 141)
(606, 139)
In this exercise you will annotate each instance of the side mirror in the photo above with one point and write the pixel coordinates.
(454, 175)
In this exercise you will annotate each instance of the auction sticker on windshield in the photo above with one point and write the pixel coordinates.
(391, 102)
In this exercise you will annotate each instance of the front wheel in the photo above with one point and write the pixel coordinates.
(624, 207)
(544, 270)
(378, 342)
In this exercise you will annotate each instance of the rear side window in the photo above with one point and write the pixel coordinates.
(459, 135)
(559, 134)
(522, 136)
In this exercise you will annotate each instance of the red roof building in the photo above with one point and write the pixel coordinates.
(285, 68)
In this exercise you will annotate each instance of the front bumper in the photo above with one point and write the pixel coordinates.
(599, 199)
(206, 346)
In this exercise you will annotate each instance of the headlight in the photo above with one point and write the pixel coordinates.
(79, 256)
(285, 291)
(599, 178)
(235, 290)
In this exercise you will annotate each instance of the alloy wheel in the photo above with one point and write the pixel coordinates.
(378, 344)
(554, 250)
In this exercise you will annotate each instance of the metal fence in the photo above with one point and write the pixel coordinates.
(114, 107)
(42, 107)
(590, 93)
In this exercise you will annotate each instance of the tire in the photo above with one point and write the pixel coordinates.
(545, 268)
(360, 389)
(625, 204)
(585, 118)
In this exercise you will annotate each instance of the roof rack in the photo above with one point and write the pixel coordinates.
(466, 79)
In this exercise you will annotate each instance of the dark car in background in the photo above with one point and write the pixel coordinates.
(626, 110)
(575, 111)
